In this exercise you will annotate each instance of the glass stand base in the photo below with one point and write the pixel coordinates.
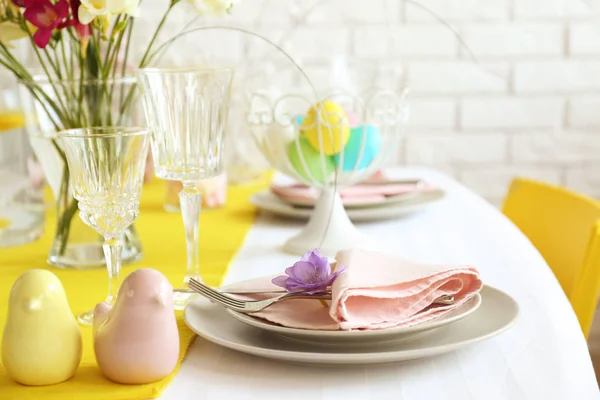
(86, 318)
(182, 297)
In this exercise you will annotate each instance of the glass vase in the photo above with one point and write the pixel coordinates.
(21, 181)
(50, 107)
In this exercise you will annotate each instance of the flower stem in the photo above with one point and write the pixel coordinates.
(68, 71)
(49, 76)
(324, 303)
(156, 32)
(82, 113)
(144, 57)
(64, 227)
(108, 56)
(21, 73)
(125, 102)
(112, 65)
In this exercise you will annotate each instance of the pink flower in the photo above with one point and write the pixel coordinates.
(46, 17)
(83, 31)
(19, 3)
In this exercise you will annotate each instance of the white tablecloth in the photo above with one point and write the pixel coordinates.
(544, 356)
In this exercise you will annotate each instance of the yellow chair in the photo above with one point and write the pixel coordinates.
(565, 228)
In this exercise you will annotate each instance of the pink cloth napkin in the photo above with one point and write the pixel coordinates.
(376, 291)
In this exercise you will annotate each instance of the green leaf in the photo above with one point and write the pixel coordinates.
(120, 26)
(91, 62)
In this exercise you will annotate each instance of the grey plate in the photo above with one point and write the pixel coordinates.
(356, 337)
(498, 312)
(265, 200)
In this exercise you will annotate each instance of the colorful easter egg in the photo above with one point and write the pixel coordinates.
(368, 138)
(328, 122)
(312, 168)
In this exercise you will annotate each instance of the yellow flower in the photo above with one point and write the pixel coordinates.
(6, 6)
(11, 31)
(212, 7)
(10, 120)
(90, 9)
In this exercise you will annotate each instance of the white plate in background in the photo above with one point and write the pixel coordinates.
(267, 201)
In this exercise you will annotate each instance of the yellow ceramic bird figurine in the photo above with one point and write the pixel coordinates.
(42, 342)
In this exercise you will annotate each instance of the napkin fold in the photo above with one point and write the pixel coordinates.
(377, 291)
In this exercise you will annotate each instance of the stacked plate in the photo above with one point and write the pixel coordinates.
(483, 316)
(371, 200)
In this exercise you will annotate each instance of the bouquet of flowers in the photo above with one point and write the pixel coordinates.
(81, 51)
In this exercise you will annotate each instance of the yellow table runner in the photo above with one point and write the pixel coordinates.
(222, 232)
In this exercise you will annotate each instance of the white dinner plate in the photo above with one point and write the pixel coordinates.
(358, 337)
(498, 312)
(265, 200)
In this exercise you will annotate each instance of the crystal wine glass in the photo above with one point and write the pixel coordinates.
(186, 110)
(107, 173)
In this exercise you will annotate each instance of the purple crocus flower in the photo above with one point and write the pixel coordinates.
(312, 274)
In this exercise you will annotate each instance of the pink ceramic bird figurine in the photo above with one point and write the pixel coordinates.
(137, 341)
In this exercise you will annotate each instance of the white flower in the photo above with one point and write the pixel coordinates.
(212, 7)
(90, 9)
(10, 31)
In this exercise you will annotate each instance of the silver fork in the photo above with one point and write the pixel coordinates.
(248, 306)
(255, 306)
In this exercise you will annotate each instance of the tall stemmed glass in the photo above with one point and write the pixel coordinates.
(186, 110)
(107, 172)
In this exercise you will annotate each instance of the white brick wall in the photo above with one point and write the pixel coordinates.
(555, 9)
(512, 112)
(583, 39)
(557, 76)
(456, 148)
(584, 112)
(457, 77)
(584, 179)
(433, 113)
(562, 148)
(408, 41)
(510, 39)
(529, 106)
(463, 10)
(492, 181)
(360, 12)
